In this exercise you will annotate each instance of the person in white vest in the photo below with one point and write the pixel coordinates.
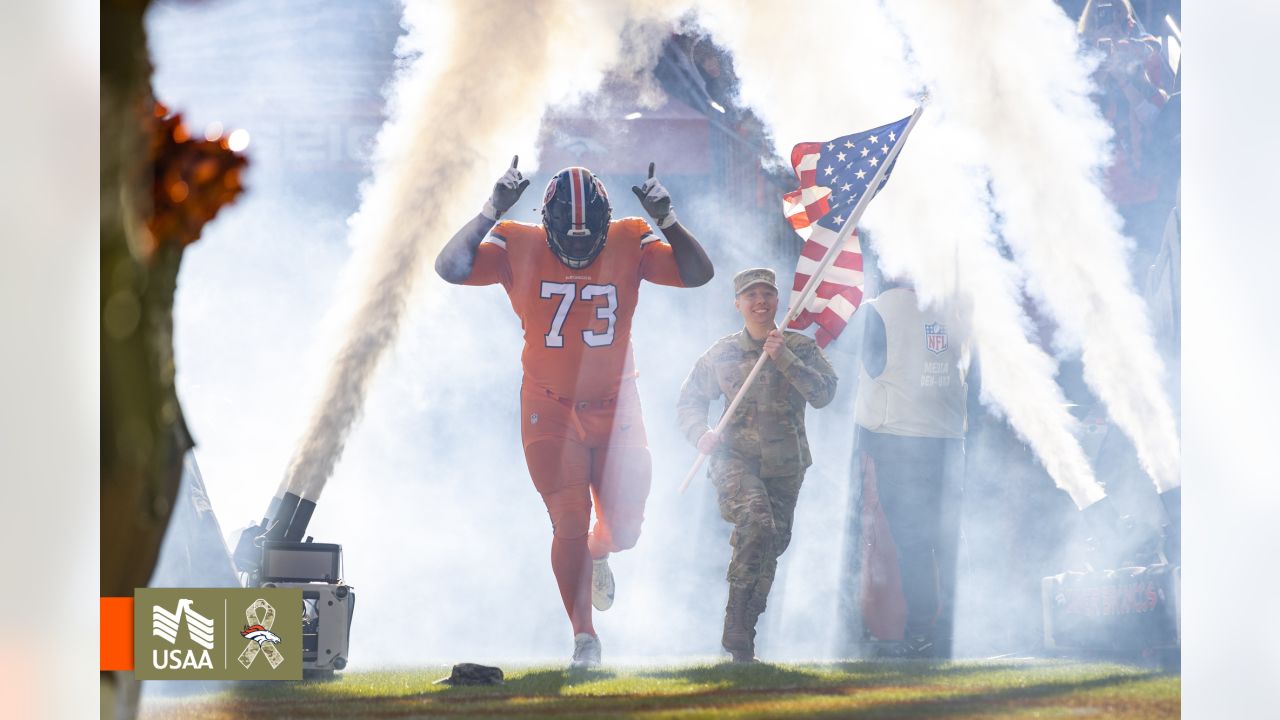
(911, 419)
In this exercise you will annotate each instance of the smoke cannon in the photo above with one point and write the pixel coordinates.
(1133, 609)
(272, 553)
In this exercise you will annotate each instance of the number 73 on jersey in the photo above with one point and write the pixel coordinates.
(567, 293)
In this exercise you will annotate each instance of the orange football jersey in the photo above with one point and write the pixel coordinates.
(577, 322)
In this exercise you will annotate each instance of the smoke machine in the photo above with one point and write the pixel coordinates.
(273, 553)
(1115, 612)
(1132, 610)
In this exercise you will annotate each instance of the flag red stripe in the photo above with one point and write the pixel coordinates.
(814, 250)
(802, 149)
(817, 209)
(849, 259)
(803, 320)
(827, 290)
(832, 323)
(846, 259)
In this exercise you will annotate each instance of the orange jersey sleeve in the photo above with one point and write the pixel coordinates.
(658, 263)
(492, 264)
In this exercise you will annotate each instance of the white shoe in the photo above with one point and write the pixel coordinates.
(586, 651)
(601, 584)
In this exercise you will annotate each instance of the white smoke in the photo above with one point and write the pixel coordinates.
(933, 223)
(477, 80)
(1023, 91)
(434, 502)
(950, 252)
(432, 157)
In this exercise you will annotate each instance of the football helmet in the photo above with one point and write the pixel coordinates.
(576, 214)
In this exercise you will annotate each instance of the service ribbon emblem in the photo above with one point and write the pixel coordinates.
(260, 616)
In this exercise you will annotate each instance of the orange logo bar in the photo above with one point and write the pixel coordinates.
(115, 615)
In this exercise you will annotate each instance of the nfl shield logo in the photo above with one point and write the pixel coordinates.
(935, 338)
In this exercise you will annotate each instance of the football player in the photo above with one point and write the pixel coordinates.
(574, 281)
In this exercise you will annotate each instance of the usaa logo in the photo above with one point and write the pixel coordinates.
(198, 638)
(217, 634)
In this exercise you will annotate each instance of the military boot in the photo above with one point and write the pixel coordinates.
(739, 632)
(755, 608)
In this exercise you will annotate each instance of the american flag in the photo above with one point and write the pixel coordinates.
(833, 178)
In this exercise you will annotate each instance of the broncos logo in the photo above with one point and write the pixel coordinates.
(260, 635)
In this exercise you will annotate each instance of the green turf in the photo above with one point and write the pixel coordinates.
(897, 689)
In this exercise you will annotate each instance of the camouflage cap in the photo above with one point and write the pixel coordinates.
(753, 276)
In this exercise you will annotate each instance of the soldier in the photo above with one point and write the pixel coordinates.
(757, 463)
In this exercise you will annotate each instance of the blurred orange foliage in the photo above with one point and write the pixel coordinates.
(193, 180)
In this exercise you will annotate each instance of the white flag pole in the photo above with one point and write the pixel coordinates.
(810, 287)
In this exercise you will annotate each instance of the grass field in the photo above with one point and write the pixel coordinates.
(890, 689)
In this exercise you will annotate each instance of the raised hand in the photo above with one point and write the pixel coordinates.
(656, 200)
(506, 192)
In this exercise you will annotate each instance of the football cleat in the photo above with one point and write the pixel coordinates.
(586, 651)
(601, 584)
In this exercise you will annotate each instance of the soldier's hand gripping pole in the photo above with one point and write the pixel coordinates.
(724, 419)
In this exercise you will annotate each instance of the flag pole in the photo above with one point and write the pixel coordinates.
(812, 285)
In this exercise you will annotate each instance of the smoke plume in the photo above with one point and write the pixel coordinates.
(457, 109)
(1024, 93)
(934, 222)
(440, 524)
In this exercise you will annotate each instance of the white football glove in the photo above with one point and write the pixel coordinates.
(506, 192)
(656, 200)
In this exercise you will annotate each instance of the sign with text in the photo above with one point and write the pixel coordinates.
(217, 634)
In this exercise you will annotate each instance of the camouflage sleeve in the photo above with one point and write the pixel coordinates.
(699, 389)
(803, 363)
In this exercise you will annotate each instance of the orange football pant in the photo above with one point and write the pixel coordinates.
(577, 452)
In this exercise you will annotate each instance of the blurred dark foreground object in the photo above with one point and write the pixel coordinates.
(158, 187)
(472, 674)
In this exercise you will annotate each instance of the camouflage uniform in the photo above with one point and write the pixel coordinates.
(759, 465)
